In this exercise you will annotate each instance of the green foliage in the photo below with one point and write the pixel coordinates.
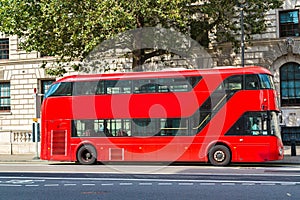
(223, 18)
(71, 29)
(56, 71)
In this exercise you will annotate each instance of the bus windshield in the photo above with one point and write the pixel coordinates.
(266, 81)
(275, 125)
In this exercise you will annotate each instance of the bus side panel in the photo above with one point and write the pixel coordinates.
(168, 149)
(254, 148)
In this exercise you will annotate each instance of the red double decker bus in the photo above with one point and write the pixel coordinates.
(214, 115)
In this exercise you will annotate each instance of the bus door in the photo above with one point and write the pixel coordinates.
(58, 138)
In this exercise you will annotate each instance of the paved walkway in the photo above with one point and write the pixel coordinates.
(32, 158)
(20, 158)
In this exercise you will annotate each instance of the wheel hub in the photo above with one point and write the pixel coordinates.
(219, 156)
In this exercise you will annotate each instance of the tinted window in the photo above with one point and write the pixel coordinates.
(129, 127)
(266, 81)
(60, 89)
(165, 85)
(123, 86)
(118, 86)
(231, 83)
(252, 123)
(251, 82)
(85, 88)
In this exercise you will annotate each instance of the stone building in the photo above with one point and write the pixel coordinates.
(20, 77)
(278, 49)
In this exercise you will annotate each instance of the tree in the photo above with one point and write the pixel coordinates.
(71, 29)
(222, 18)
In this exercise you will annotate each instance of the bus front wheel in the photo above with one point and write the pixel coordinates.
(87, 155)
(219, 155)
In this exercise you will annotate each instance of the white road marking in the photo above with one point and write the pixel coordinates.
(19, 181)
(188, 184)
(51, 185)
(248, 183)
(228, 184)
(165, 183)
(70, 184)
(9, 185)
(126, 183)
(207, 183)
(191, 183)
(290, 183)
(107, 184)
(34, 182)
(145, 184)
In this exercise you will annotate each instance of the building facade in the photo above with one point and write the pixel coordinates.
(20, 77)
(278, 49)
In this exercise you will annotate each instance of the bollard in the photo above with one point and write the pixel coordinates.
(293, 147)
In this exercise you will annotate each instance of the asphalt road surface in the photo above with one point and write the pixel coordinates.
(171, 182)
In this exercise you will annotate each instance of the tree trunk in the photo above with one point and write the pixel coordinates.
(138, 59)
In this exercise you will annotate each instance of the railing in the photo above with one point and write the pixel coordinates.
(21, 136)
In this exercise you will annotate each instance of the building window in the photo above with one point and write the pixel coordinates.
(45, 85)
(5, 96)
(289, 23)
(4, 49)
(290, 84)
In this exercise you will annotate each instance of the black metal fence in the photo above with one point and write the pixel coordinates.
(290, 135)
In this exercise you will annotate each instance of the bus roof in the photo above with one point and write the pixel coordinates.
(165, 74)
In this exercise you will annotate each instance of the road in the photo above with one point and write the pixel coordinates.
(69, 181)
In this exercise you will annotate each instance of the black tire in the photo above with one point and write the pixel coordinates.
(219, 155)
(87, 155)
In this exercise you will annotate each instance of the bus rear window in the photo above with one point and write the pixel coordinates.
(60, 89)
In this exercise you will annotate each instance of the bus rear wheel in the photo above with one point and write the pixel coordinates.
(219, 155)
(87, 155)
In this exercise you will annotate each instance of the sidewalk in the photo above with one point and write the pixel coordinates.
(31, 158)
(19, 158)
(288, 159)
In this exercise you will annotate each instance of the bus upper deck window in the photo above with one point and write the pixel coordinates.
(232, 83)
(251, 82)
(60, 89)
(85, 88)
